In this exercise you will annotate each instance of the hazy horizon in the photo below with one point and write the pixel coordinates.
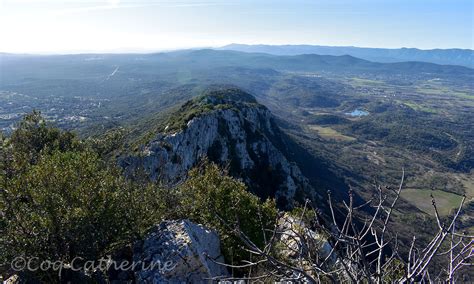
(123, 26)
(157, 50)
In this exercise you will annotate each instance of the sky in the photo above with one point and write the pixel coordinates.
(73, 26)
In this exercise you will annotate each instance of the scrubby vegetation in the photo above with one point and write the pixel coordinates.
(209, 100)
(62, 198)
(218, 201)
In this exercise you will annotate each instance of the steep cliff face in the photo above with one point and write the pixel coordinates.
(230, 128)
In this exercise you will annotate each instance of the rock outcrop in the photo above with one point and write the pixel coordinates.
(298, 243)
(299, 240)
(233, 130)
(14, 279)
(182, 252)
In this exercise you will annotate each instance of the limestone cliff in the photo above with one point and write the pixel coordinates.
(230, 128)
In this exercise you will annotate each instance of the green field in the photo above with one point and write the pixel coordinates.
(362, 82)
(419, 107)
(464, 95)
(329, 133)
(467, 181)
(421, 198)
(438, 89)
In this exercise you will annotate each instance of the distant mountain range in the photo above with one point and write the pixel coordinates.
(463, 57)
(14, 66)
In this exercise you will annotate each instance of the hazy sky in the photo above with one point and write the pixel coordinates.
(147, 25)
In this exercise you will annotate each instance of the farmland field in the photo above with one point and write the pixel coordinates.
(421, 198)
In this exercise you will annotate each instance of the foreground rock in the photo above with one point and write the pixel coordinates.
(298, 242)
(184, 251)
(14, 279)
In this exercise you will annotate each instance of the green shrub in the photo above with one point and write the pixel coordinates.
(34, 137)
(59, 201)
(209, 196)
(71, 205)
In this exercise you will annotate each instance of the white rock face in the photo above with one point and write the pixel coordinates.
(227, 136)
(187, 247)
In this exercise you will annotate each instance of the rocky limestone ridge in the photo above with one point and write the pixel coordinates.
(230, 128)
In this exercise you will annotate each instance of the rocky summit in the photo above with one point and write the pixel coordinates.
(228, 127)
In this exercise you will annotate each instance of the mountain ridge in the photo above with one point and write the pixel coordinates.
(239, 134)
(452, 56)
